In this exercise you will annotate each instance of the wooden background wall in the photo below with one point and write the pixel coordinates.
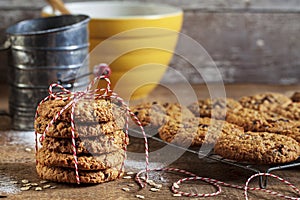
(254, 41)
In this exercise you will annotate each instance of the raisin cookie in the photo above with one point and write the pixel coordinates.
(195, 131)
(258, 148)
(156, 113)
(95, 145)
(86, 110)
(61, 129)
(265, 101)
(65, 175)
(85, 162)
(253, 120)
(214, 108)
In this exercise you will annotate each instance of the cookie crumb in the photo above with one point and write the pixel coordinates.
(140, 196)
(126, 189)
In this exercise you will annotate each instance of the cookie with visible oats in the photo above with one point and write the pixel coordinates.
(94, 145)
(258, 148)
(264, 101)
(59, 174)
(85, 162)
(215, 108)
(195, 131)
(86, 110)
(62, 129)
(290, 111)
(156, 113)
(253, 120)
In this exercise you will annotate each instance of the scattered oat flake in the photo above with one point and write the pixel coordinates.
(52, 187)
(158, 186)
(25, 181)
(43, 181)
(126, 189)
(28, 150)
(38, 189)
(127, 177)
(25, 188)
(26, 185)
(130, 173)
(46, 186)
(139, 196)
(176, 195)
(154, 189)
(34, 184)
(14, 182)
(143, 178)
(131, 185)
(175, 185)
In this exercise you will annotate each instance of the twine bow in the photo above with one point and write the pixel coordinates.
(89, 93)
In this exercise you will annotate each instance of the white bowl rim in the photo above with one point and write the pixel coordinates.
(162, 10)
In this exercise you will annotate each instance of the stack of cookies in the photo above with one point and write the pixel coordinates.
(99, 141)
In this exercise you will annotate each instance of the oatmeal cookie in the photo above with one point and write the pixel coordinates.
(215, 108)
(156, 113)
(258, 148)
(195, 131)
(96, 145)
(253, 120)
(265, 101)
(62, 129)
(65, 175)
(86, 110)
(85, 162)
(290, 111)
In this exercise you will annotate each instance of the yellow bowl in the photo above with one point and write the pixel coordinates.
(130, 35)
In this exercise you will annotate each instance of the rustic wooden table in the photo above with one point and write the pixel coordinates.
(17, 163)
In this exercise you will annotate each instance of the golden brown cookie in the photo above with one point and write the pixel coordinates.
(156, 113)
(65, 175)
(258, 148)
(86, 110)
(290, 111)
(195, 131)
(257, 121)
(85, 162)
(264, 101)
(215, 108)
(93, 145)
(62, 129)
